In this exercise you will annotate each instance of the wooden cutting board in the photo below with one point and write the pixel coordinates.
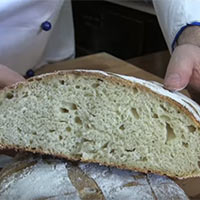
(100, 61)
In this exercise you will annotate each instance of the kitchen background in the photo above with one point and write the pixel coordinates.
(126, 29)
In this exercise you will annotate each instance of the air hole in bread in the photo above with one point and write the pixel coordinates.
(9, 95)
(172, 155)
(62, 82)
(155, 116)
(39, 147)
(191, 129)
(112, 151)
(60, 137)
(77, 86)
(34, 133)
(68, 129)
(95, 85)
(25, 94)
(87, 126)
(63, 121)
(183, 137)
(135, 90)
(135, 113)
(78, 120)
(130, 150)
(100, 80)
(52, 130)
(31, 141)
(105, 145)
(163, 107)
(73, 106)
(19, 129)
(185, 144)
(122, 127)
(170, 133)
(86, 140)
(64, 110)
(144, 159)
(38, 79)
(88, 95)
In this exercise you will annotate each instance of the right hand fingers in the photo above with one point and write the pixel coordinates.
(180, 68)
(8, 76)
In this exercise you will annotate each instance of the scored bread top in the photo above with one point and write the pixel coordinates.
(32, 177)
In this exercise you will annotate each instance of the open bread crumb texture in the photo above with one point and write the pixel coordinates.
(91, 118)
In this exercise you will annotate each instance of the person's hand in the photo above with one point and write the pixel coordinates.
(184, 66)
(8, 76)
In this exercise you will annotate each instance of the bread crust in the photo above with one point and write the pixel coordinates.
(114, 79)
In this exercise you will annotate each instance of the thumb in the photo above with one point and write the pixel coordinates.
(179, 69)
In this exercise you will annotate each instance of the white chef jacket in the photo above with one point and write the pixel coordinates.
(175, 15)
(24, 44)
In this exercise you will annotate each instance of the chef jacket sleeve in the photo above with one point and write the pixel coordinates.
(176, 15)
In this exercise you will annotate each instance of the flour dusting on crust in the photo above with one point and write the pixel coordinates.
(49, 179)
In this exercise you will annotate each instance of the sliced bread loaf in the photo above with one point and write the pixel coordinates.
(105, 118)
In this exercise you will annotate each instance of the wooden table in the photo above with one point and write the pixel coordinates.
(106, 62)
(155, 63)
(100, 61)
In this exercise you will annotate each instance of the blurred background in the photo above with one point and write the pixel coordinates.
(126, 29)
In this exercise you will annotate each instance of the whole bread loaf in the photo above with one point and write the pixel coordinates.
(104, 118)
(39, 178)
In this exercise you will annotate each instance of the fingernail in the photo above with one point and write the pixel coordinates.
(172, 82)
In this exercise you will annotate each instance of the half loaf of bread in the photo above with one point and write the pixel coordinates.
(104, 118)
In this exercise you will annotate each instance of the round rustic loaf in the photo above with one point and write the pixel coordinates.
(36, 178)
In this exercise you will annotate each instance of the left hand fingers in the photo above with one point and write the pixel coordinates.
(8, 76)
